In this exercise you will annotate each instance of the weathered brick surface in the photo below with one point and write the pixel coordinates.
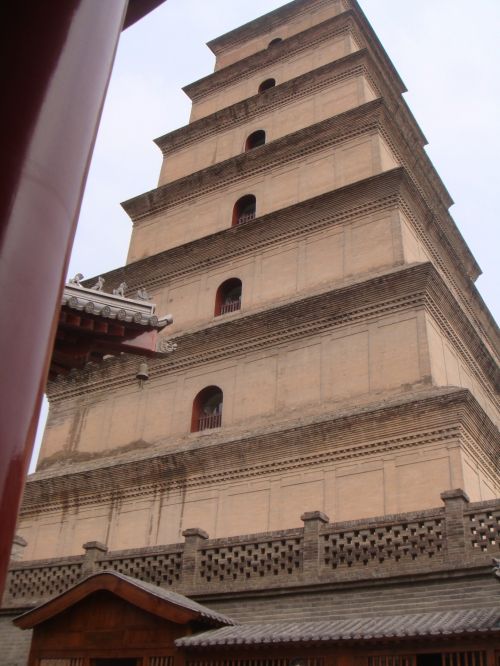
(14, 642)
(414, 595)
(460, 537)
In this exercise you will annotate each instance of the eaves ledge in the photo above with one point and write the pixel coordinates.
(285, 49)
(414, 286)
(429, 414)
(374, 410)
(261, 102)
(291, 146)
(389, 188)
(262, 24)
(273, 19)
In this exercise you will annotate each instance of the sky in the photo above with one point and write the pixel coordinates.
(446, 52)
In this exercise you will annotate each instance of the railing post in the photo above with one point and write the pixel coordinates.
(18, 546)
(455, 501)
(194, 537)
(313, 521)
(94, 550)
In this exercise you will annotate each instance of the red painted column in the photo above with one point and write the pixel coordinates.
(56, 60)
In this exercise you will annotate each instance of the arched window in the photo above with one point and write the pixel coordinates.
(228, 297)
(265, 85)
(255, 140)
(207, 409)
(274, 41)
(244, 210)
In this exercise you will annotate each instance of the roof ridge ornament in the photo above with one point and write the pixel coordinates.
(120, 290)
(76, 280)
(99, 285)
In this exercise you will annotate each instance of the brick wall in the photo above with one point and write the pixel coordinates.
(14, 642)
(460, 534)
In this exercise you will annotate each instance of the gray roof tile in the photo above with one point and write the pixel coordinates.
(172, 597)
(397, 626)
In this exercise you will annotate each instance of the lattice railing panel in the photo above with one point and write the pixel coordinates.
(484, 529)
(245, 561)
(387, 543)
(42, 581)
(163, 569)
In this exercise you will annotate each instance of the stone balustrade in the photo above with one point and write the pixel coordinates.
(458, 534)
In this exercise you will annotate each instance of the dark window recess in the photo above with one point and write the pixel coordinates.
(228, 297)
(265, 85)
(255, 140)
(207, 409)
(274, 41)
(244, 210)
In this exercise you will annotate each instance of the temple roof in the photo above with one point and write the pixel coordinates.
(94, 324)
(113, 306)
(443, 624)
(154, 599)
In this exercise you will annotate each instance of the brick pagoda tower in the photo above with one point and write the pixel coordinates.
(333, 361)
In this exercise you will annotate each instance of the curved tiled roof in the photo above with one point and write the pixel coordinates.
(450, 623)
(113, 306)
(124, 587)
(173, 598)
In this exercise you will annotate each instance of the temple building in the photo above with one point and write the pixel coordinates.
(306, 471)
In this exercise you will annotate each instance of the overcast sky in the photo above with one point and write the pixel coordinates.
(446, 51)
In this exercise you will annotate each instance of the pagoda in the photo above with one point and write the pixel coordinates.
(318, 438)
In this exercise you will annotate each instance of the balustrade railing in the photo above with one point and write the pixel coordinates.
(400, 544)
(246, 218)
(232, 306)
(209, 421)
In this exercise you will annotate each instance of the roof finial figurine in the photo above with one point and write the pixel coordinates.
(76, 280)
(99, 285)
(120, 290)
(142, 294)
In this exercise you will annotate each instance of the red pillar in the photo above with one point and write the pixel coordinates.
(56, 60)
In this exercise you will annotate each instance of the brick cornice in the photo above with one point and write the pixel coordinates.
(338, 25)
(283, 14)
(372, 116)
(427, 416)
(417, 286)
(352, 21)
(334, 207)
(394, 290)
(354, 64)
(261, 103)
(381, 192)
(264, 24)
(292, 146)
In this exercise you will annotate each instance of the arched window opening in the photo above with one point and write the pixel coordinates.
(255, 140)
(207, 409)
(244, 210)
(228, 297)
(274, 41)
(265, 85)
